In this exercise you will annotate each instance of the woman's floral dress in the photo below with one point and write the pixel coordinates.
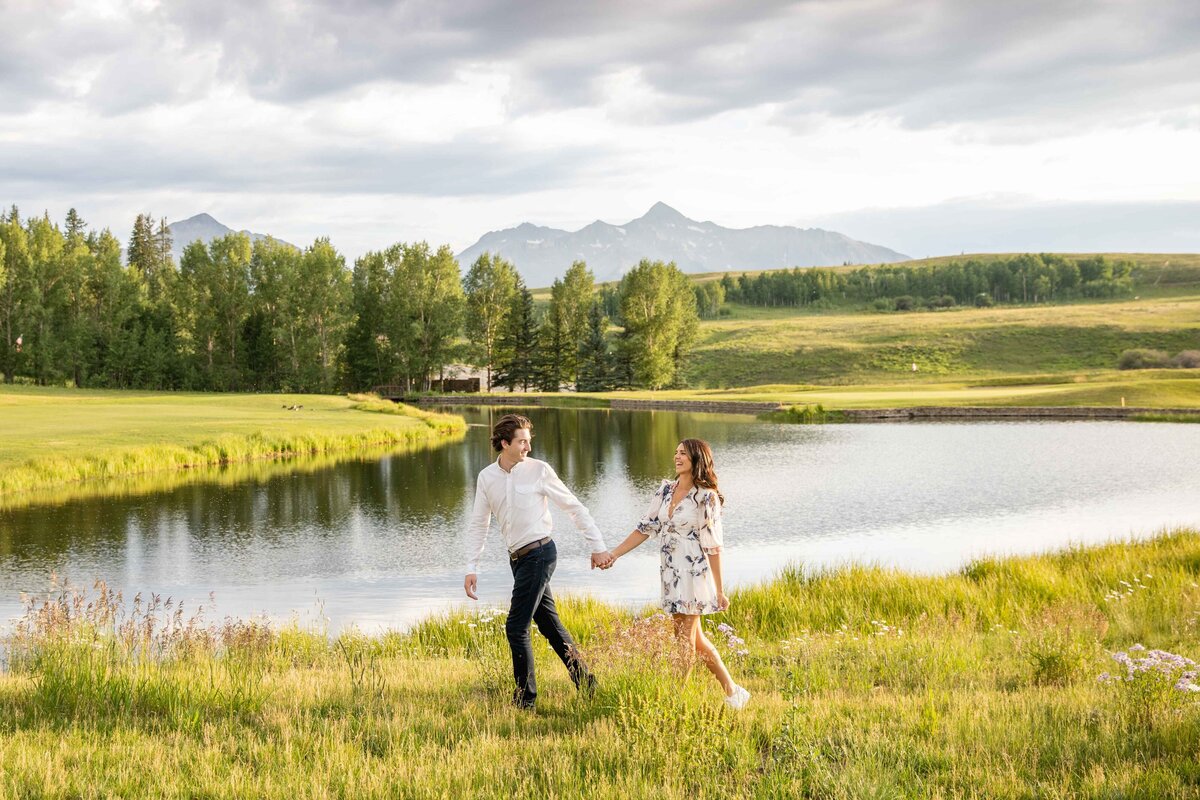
(686, 538)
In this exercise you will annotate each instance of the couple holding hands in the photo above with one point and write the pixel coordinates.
(684, 514)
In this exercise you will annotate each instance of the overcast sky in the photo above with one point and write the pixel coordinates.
(929, 126)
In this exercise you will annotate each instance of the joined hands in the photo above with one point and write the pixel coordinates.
(603, 560)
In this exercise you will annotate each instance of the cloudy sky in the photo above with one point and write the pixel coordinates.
(929, 126)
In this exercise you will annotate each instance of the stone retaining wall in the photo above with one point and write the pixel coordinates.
(473, 400)
(712, 406)
(1005, 412)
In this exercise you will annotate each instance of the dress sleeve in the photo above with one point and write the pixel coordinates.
(651, 524)
(711, 535)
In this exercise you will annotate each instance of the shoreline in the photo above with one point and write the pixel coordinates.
(927, 413)
(48, 479)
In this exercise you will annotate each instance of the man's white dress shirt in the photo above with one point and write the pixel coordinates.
(518, 500)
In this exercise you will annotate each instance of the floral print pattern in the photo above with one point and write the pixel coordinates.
(686, 538)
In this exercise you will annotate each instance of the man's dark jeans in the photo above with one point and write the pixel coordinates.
(532, 602)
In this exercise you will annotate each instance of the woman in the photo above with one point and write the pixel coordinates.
(685, 514)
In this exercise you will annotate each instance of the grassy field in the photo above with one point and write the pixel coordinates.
(53, 436)
(762, 346)
(989, 682)
(754, 346)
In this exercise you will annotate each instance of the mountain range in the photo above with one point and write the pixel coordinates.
(204, 228)
(542, 254)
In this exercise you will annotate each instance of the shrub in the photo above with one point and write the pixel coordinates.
(1141, 358)
(904, 303)
(984, 300)
(1188, 359)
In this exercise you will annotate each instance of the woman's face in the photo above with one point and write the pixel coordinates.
(683, 462)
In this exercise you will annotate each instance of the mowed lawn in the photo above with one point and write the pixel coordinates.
(42, 421)
(756, 346)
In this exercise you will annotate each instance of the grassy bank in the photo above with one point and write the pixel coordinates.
(1148, 389)
(867, 683)
(57, 437)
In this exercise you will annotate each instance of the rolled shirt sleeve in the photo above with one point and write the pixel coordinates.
(477, 528)
(561, 496)
(711, 535)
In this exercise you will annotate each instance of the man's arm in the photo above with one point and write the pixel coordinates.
(562, 497)
(477, 531)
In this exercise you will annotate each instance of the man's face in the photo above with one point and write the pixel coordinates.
(516, 450)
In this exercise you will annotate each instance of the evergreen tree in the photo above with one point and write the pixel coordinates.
(142, 253)
(552, 349)
(519, 344)
(75, 226)
(594, 361)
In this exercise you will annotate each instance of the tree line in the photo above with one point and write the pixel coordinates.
(1020, 279)
(237, 315)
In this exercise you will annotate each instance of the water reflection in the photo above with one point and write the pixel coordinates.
(377, 541)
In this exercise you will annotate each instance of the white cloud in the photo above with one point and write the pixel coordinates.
(375, 121)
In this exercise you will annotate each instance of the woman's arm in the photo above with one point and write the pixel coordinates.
(634, 539)
(714, 563)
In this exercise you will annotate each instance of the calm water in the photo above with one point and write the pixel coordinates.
(379, 543)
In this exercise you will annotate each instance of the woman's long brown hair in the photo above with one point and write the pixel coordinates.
(704, 474)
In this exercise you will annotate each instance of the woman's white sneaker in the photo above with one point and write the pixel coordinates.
(737, 701)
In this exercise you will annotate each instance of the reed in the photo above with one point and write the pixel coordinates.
(1062, 675)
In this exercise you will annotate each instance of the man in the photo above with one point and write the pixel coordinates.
(515, 489)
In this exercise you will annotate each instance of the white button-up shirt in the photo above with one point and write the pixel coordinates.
(518, 500)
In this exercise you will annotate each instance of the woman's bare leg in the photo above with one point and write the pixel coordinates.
(712, 659)
(694, 644)
(685, 639)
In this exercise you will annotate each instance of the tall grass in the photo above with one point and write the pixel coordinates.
(866, 682)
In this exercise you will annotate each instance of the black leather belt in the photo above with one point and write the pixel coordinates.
(527, 548)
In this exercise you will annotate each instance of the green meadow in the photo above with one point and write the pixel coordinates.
(755, 346)
(998, 680)
(56, 437)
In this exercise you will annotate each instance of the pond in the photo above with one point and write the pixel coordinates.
(378, 542)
